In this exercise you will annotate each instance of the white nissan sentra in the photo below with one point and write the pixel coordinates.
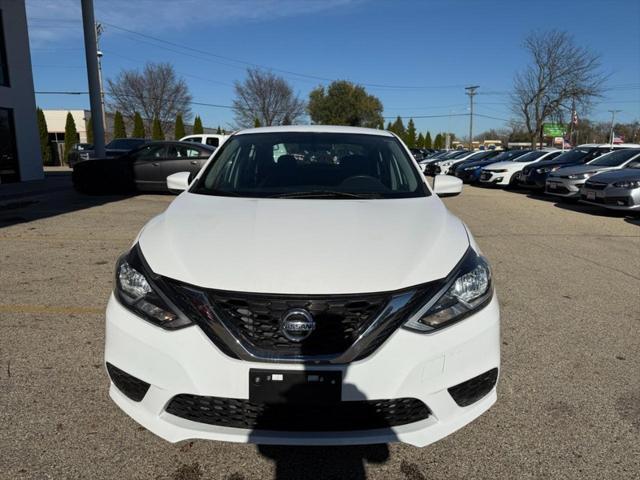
(308, 287)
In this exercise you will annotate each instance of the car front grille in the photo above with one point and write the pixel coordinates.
(558, 189)
(249, 325)
(255, 318)
(595, 185)
(333, 416)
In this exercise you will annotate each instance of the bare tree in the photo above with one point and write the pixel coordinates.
(267, 98)
(563, 76)
(154, 92)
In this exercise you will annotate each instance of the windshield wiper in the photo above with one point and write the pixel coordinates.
(325, 194)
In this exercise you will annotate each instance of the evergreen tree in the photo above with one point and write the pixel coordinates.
(420, 141)
(197, 126)
(156, 130)
(410, 137)
(398, 128)
(45, 148)
(427, 140)
(389, 127)
(219, 130)
(90, 130)
(179, 130)
(118, 126)
(256, 123)
(70, 136)
(138, 127)
(438, 143)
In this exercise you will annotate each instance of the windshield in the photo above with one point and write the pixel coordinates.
(531, 156)
(124, 143)
(461, 154)
(509, 155)
(616, 158)
(312, 165)
(483, 154)
(577, 155)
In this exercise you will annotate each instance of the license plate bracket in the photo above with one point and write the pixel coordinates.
(591, 195)
(294, 386)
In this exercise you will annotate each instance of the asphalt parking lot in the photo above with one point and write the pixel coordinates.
(568, 278)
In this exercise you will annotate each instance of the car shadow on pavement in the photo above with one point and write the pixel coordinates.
(589, 209)
(55, 195)
(324, 462)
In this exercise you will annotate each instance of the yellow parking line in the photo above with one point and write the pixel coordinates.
(50, 309)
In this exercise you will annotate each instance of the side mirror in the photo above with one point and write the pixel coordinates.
(447, 186)
(178, 182)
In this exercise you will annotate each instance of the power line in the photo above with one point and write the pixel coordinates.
(256, 65)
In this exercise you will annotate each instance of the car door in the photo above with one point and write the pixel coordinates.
(148, 171)
(184, 158)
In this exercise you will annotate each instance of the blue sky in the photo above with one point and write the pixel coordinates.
(431, 49)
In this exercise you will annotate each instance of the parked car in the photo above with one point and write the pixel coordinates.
(615, 189)
(506, 173)
(114, 148)
(469, 171)
(535, 176)
(427, 165)
(145, 168)
(211, 139)
(567, 181)
(445, 165)
(281, 300)
(476, 156)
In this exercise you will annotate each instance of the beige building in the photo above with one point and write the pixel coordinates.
(57, 119)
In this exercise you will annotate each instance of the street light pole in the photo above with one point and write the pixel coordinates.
(471, 91)
(613, 116)
(93, 76)
(99, 30)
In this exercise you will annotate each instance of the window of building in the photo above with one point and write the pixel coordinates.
(4, 71)
(8, 158)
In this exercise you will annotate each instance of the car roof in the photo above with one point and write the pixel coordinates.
(178, 142)
(212, 135)
(608, 145)
(316, 129)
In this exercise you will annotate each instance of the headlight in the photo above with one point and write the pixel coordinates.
(628, 184)
(470, 168)
(499, 171)
(547, 169)
(136, 291)
(467, 290)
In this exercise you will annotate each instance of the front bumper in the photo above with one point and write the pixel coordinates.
(612, 198)
(564, 187)
(408, 364)
(495, 178)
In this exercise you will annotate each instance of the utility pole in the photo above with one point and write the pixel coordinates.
(613, 116)
(93, 76)
(471, 91)
(99, 30)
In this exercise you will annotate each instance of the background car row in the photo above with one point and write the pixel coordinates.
(600, 174)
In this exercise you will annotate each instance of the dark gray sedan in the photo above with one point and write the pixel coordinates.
(616, 190)
(144, 169)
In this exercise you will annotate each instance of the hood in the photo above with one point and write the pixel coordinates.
(304, 246)
(617, 175)
(578, 169)
(505, 165)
